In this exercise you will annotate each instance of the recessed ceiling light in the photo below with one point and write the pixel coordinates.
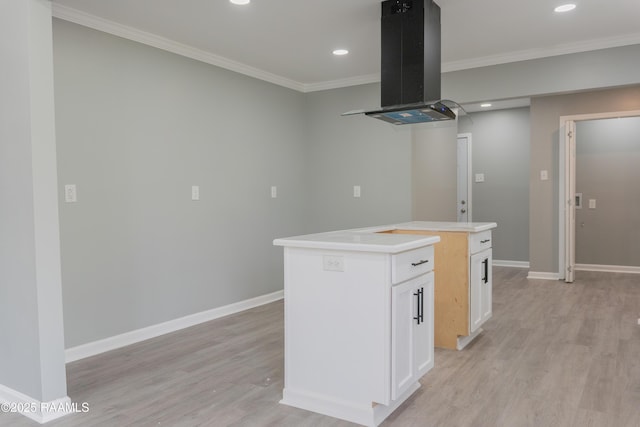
(340, 52)
(485, 105)
(565, 7)
(240, 2)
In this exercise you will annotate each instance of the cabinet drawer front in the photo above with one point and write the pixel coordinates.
(406, 265)
(479, 241)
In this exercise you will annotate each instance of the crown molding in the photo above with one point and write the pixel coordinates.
(91, 21)
(335, 84)
(525, 55)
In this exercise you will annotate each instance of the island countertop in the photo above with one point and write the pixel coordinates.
(470, 227)
(359, 240)
(373, 239)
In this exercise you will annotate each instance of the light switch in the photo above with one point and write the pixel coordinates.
(70, 194)
(195, 192)
(274, 191)
(544, 175)
(479, 177)
(592, 203)
(356, 191)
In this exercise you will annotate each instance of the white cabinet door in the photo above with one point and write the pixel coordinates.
(424, 331)
(411, 333)
(480, 291)
(487, 287)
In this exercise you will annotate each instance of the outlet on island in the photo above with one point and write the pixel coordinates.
(332, 263)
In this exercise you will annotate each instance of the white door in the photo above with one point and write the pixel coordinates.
(404, 313)
(475, 291)
(464, 177)
(569, 203)
(411, 332)
(487, 286)
(423, 344)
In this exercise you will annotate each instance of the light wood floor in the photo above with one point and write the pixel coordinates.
(552, 355)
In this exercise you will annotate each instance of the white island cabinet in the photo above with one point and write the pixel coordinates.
(463, 287)
(358, 322)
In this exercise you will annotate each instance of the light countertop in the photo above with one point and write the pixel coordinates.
(370, 239)
(354, 240)
(470, 227)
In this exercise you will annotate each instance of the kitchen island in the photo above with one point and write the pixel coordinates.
(463, 283)
(358, 321)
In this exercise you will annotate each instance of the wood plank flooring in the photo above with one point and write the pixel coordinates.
(552, 355)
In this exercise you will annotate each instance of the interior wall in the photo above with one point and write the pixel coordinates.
(137, 127)
(434, 175)
(32, 342)
(602, 68)
(545, 128)
(345, 151)
(608, 171)
(500, 144)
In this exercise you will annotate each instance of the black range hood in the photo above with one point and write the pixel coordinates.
(410, 72)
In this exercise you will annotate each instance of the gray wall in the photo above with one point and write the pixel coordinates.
(434, 173)
(557, 74)
(355, 150)
(500, 143)
(31, 332)
(543, 195)
(608, 170)
(136, 128)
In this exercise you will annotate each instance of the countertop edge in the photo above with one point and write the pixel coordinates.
(358, 247)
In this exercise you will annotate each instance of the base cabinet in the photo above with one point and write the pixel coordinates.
(412, 333)
(463, 289)
(359, 336)
(480, 298)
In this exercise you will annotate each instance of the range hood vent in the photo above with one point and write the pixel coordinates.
(410, 69)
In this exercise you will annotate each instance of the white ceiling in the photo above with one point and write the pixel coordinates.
(289, 42)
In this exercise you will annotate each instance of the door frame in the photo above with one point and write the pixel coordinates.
(566, 187)
(466, 135)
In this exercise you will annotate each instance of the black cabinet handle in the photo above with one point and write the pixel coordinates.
(423, 261)
(421, 305)
(485, 241)
(485, 279)
(417, 316)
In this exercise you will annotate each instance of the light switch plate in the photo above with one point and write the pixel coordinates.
(70, 193)
(356, 191)
(479, 177)
(274, 191)
(592, 203)
(544, 175)
(195, 192)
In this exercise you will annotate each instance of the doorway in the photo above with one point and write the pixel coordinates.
(464, 178)
(567, 188)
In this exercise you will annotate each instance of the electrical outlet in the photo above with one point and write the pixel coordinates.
(195, 192)
(274, 191)
(356, 191)
(479, 177)
(592, 203)
(332, 263)
(70, 193)
(544, 175)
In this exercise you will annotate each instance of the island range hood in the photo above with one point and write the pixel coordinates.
(410, 72)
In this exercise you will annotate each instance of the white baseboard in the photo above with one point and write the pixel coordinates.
(543, 275)
(507, 263)
(41, 412)
(91, 349)
(608, 268)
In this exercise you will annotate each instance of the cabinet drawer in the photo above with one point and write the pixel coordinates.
(479, 241)
(406, 265)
